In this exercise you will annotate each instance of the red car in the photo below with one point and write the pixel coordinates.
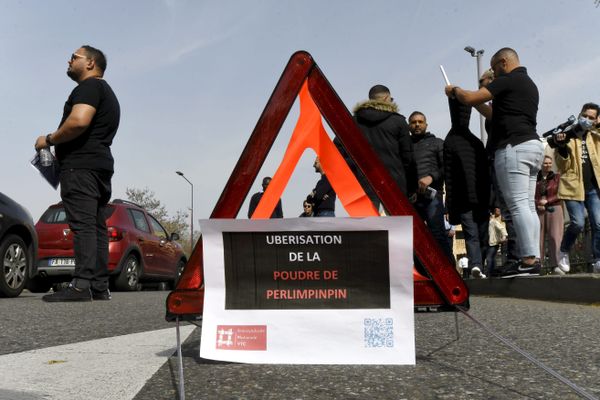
(139, 249)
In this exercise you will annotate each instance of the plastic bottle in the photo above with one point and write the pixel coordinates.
(46, 157)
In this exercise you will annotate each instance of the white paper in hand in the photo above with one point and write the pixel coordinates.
(445, 76)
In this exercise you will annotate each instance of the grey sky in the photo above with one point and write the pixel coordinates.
(194, 76)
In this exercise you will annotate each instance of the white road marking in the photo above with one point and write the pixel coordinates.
(114, 368)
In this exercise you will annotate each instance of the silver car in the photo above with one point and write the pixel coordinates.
(18, 247)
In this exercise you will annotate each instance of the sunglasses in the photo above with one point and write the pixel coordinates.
(75, 56)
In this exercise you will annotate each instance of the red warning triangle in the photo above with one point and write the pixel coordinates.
(309, 133)
(442, 289)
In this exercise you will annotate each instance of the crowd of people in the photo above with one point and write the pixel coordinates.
(507, 194)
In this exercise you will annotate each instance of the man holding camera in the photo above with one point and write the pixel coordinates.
(578, 162)
(428, 156)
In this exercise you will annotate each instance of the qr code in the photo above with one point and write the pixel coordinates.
(379, 332)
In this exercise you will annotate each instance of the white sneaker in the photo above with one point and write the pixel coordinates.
(563, 262)
(596, 267)
(476, 272)
(483, 276)
(558, 271)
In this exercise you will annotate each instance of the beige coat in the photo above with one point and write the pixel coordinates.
(570, 168)
(497, 231)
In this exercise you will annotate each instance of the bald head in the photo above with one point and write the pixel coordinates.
(504, 61)
(506, 52)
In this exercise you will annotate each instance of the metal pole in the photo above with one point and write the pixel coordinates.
(180, 358)
(191, 211)
(482, 132)
(192, 221)
(477, 54)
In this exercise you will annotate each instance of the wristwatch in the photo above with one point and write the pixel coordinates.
(48, 141)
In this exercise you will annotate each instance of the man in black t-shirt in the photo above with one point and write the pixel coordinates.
(82, 144)
(518, 151)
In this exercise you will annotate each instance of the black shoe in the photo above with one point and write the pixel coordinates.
(530, 269)
(511, 269)
(69, 294)
(102, 295)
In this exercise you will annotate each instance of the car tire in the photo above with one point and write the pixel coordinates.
(38, 285)
(129, 278)
(178, 272)
(14, 262)
(162, 286)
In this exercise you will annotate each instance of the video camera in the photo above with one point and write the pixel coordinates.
(570, 127)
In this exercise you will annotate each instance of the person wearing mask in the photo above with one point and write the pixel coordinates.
(550, 212)
(578, 162)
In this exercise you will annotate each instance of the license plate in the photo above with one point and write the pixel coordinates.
(61, 262)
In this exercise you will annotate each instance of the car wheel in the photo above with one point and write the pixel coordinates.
(161, 286)
(38, 285)
(129, 278)
(15, 260)
(178, 272)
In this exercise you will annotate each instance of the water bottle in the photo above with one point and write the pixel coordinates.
(46, 157)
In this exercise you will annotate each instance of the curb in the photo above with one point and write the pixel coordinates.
(577, 288)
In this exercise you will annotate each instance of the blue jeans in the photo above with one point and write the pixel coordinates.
(509, 249)
(490, 259)
(325, 213)
(432, 213)
(577, 223)
(516, 172)
(476, 238)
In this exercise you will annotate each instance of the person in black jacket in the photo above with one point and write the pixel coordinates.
(387, 132)
(467, 185)
(429, 163)
(255, 199)
(323, 196)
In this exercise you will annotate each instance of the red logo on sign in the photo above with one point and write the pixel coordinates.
(242, 337)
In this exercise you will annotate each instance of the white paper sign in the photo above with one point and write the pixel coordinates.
(309, 291)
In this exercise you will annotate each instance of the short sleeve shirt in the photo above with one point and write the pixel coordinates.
(91, 149)
(516, 100)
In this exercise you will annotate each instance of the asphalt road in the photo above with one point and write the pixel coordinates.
(477, 366)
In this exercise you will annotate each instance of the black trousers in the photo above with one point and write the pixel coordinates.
(85, 194)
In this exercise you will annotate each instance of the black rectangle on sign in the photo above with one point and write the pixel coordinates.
(307, 270)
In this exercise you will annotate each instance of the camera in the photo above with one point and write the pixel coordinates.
(430, 193)
(570, 127)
